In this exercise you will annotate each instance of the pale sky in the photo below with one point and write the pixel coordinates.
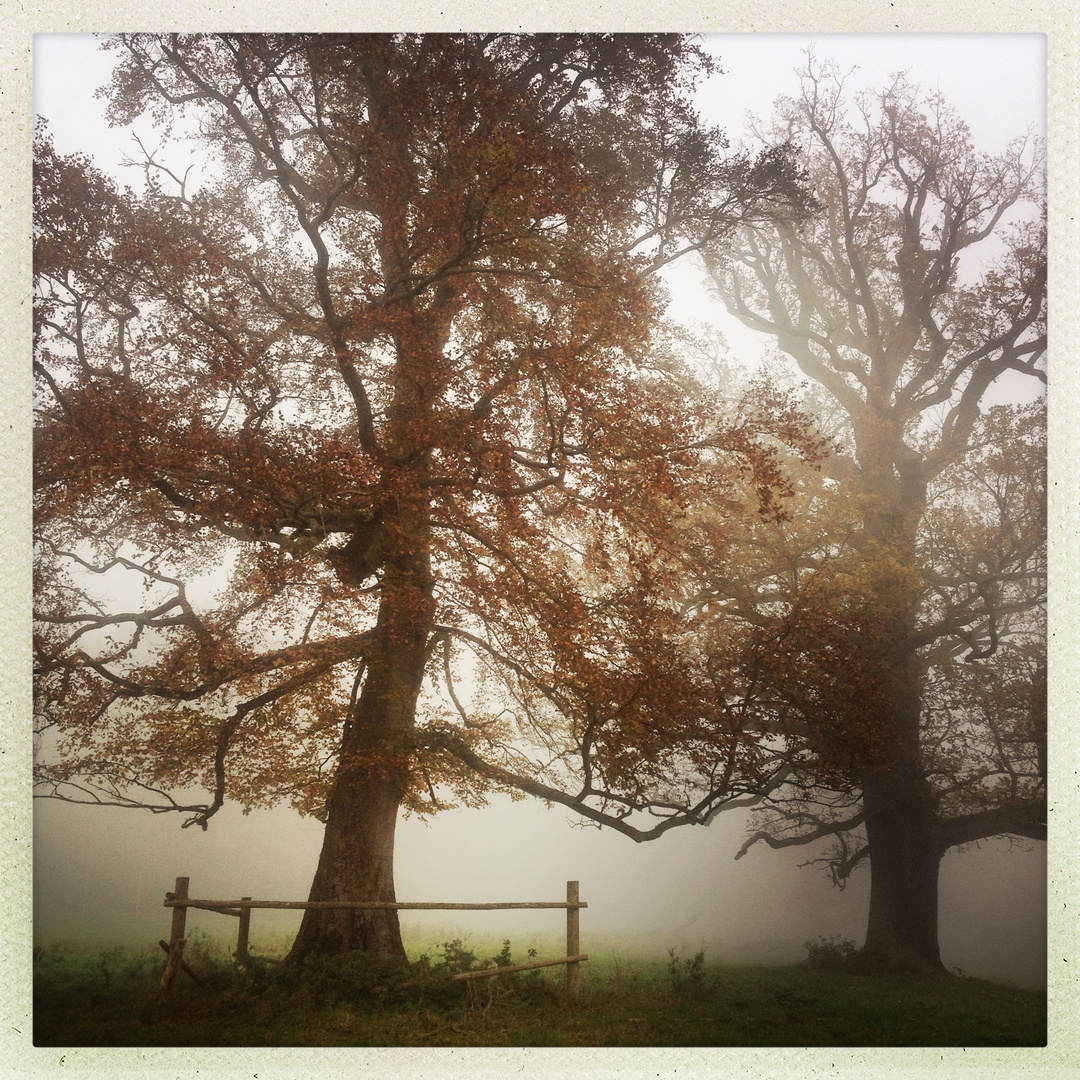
(997, 82)
(683, 891)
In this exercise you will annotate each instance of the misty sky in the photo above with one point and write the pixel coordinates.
(105, 872)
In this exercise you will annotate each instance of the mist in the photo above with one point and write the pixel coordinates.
(101, 875)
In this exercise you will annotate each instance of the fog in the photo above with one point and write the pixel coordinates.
(101, 874)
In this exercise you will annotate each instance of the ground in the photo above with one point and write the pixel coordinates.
(108, 998)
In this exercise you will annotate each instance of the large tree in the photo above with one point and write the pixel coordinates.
(374, 395)
(900, 643)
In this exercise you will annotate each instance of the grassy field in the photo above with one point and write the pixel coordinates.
(107, 998)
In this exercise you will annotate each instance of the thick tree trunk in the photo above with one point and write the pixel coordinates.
(357, 858)
(905, 859)
(900, 811)
(902, 827)
(356, 863)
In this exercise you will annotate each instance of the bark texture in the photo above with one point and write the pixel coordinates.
(902, 927)
(357, 857)
(898, 800)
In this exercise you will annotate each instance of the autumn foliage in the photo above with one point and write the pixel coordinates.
(359, 446)
(907, 600)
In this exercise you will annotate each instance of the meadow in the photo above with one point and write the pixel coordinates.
(108, 997)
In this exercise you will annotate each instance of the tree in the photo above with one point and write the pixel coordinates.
(374, 400)
(900, 643)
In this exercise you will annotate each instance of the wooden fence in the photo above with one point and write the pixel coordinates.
(179, 901)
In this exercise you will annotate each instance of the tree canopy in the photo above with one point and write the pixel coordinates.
(368, 476)
(376, 405)
(899, 624)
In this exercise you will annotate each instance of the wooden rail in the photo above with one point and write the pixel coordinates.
(483, 973)
(235, 907)
(180, 901)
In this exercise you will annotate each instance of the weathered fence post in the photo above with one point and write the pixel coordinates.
(179, 914)
(573, 938)
(176, 936)
(172, 966)
(242, 933)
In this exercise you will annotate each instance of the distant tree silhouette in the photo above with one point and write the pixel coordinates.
(899, 622)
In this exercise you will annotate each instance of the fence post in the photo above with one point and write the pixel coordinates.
(573, 938)
(179, 914)
(242, 933)
(176, 935)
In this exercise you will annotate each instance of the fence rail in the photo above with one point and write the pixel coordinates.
(226, 907)
(483, 973)
(180, 902)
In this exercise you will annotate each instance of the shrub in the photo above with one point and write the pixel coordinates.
(686, 976)
(348, 979)
(834, 953)
(527, 986)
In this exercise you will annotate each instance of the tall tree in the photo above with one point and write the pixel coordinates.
(902, 646)
(377, 399)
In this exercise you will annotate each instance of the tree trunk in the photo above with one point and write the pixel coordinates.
(357, 858)
(356, 863)
(900, 812)
(905, 859)
(901, 825)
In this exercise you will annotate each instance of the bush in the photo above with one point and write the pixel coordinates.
(527, 986)
(686, 976)
(348, 979)
(834, 953)
(359, 979)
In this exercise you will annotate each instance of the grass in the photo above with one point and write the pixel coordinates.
(107, 998)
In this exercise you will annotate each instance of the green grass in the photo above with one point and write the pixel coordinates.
(107, 998)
